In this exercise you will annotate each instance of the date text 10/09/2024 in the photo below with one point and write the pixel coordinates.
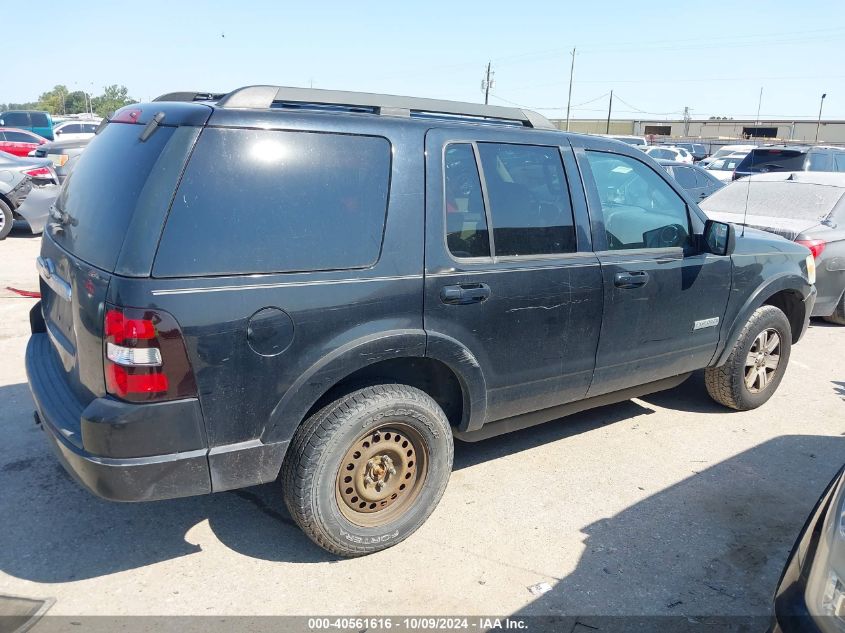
(416, 624)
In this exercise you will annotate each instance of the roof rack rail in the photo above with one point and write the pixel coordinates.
(260, 97)
(190, 96)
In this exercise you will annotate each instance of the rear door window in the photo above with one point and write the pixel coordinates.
(530, 208)
(264, 201)
(20, 137)
(685, 177)
(39, 119)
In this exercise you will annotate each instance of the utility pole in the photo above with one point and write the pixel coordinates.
(819, 120)
(609, 108)
(571, 76)
(686, 121)
(487, 83)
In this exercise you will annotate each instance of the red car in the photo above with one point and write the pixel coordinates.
(19, 142)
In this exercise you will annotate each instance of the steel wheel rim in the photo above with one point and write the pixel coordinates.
(381, 474)
(762, 360)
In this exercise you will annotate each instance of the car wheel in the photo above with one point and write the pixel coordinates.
(838, 316)
(7, 219)
(756, 364)
(365, 472)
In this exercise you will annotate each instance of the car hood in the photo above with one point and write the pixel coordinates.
(785, 227)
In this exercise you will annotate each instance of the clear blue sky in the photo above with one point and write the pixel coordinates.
(657, 56)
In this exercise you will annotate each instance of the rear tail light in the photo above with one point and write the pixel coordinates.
(816, 246)
(38, 172)
(144, 356)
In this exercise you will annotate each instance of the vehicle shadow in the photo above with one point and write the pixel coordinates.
(690, 396)
(51, 530)
(717, 541)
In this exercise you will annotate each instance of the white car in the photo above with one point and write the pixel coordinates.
(75, 130)
(727, 150)
(723, 167)
(667, 152)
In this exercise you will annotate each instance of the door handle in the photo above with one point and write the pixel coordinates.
(464, 294)
(627, 280)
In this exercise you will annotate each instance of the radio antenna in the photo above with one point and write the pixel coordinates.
(748, 187)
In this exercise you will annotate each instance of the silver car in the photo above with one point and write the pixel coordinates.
(805, 207)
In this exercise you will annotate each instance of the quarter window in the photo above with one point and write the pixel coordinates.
(466, 223)
(530, 208)
(639, 208)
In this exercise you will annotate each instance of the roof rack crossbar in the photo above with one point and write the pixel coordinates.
(261, 97)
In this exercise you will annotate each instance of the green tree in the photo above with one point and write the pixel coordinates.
(113, 98)
(53, 101)
(76, 102)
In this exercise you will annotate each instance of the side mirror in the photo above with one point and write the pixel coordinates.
(719, 237)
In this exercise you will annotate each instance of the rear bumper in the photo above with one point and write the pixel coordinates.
(92, 442)
(138, 452)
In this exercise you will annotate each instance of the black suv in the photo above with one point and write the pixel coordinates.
(791, 158)
(327, 287)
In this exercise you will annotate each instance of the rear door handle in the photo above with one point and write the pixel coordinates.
(627, 280)
(464, 294)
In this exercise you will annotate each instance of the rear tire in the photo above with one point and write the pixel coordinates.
(838, 316)
(7, 220)
(756, 364)
(364, 473)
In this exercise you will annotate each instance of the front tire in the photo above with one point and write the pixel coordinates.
(364, 473)
(756, 364)
(838, 316)
(7, 220)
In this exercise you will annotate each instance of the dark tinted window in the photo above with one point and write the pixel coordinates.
(16, 119)
(99, 197)
(529, 200)
(258, 201)
(20, 137)
(466, 223)
(819, 161)
(73, 128)
(39, 119)
(765, 160)
(639, 208)
(685, 177)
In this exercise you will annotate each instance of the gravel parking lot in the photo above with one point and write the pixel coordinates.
(668, 504)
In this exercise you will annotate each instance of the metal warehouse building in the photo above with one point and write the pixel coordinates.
(831, 131)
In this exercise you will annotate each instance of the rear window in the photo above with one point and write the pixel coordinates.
(39, 119)
(16, 119)
(262, 201)
(766, 160)
(99, 197)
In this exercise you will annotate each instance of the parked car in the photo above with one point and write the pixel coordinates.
(14, 188)
(808, 208)
(34, 121)
(698, 150)
(789, 158)
(695, 181)
(39, 169)
(810, 597)
(38, 179)
(666, 152)
(19, 142)
(727, 150)
(75, 130)
(723, 168)
(60, 154)
(346, 310)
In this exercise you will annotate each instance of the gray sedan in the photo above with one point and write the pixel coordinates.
(805, 207)
(695, 180)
